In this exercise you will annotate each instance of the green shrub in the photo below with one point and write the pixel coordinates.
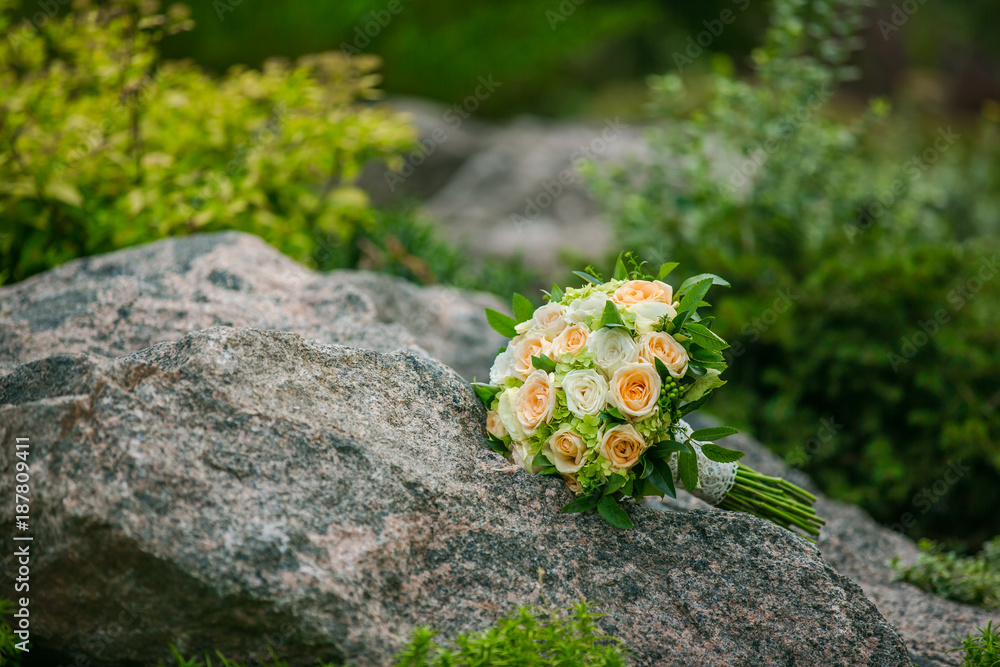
(527, 636)
(981, 651)
(9, 653)
(104, 145)
(833, 290)
(969, 579)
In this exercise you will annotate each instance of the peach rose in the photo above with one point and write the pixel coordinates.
(572, 483)
(548, 320)
(637, 291)
(658, 345)
(623, 446)
(535, 401)
(494, 425)
(634, 390)
(529, 346)
(572, 340)
(566, 450)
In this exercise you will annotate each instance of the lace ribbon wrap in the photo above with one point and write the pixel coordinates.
(714, 479)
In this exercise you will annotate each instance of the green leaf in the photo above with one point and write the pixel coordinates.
(496, 444)
(523, 310)
(501, 323)
(615, 482)
(486, 393)
(706, 356)
(664, 448)
(611, 317)
(714, 433)
(544, 363)
(679, 321)
(612, 414)
(705, 337)
(609, 510)
(692, 299)
(665, 269)
(556, 294)
(663, 478)
(661, 369)
(584, 504)
(589, 278)
(688, 408)
(704, 384)
(627, 489)
(687, 466)
(720, 454)
(541, 460)
(716, 280)
(647, 467)
(621, 273)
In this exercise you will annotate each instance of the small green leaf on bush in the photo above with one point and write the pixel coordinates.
(661, 370)
(523, 310)
(621, 273)
(611, 317)
(716, 280)
(612, 513)
(714, 433)
(615, 482)
(704, 337)
(663, 478)
(486, 393)
(720, 454)
(501, 323)
(612, 414)
(688, 408)
(586, 276)
(496, 444)
(584, 504)
(692, 299)
(665, 269)
(556, 294)
(687, 466)
(664, 448)
(544, 363)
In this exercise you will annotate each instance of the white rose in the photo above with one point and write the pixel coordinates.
(527, 347)
(591, 306)
(520, 455)
(612, 347)
(586, 392)
(503, 368)
(505, 410)
(494, 426)
(549, 320)
(649, 313)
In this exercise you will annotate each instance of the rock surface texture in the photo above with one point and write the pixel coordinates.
(125, 301)
(240, 489)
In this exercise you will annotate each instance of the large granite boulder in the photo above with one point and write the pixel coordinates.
(125, 301)
(243, 490)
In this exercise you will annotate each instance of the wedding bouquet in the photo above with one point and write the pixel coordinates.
(594, 385)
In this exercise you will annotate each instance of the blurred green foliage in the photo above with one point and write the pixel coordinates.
(968, 579)
(982, 650)
(104, 145)
(863, 259)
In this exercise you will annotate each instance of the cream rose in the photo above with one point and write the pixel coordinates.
(658, 345)
(494, 425)
(591, 306)
(548, 320)
(566, 450)
(505, 411)
(623, 446)
(612, 347)
(572, 340)
(503, 368)
(649, 313)
(635, 389)
(520, 455)
(637, 291)
(572, 483)
(527, 347)
(535, 401)
(586, 392)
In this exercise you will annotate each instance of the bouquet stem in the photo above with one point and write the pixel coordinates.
(773, 499)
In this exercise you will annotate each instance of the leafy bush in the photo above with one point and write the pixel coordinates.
(104, 145)
(863, 311)
(981, 651)
(527, 636)
(9, 653)
(969, 579)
